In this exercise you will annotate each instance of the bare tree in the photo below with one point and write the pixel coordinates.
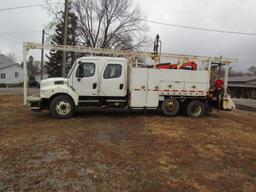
(110, 24)
(236, 73)
(54, 11)
(252, 70)
(12, 57)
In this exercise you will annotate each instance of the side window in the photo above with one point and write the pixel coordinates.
(2, 75)
(112, 71)
(85, 70)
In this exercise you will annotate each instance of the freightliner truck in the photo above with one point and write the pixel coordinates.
(120, 83)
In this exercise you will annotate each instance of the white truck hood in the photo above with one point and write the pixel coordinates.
(53, 81)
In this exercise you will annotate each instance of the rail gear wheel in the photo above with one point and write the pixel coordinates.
(170, 106)
(62, 107)
(195, 108)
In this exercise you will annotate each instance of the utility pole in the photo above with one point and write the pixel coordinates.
(42, 55)
(65, 38)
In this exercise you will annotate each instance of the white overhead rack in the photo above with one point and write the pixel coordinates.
(131, 55)
(126, 53)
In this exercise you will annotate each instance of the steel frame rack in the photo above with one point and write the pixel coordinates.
(132, 56)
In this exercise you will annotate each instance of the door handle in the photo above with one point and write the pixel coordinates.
(121, 86)
(94, 85)
(78, 79)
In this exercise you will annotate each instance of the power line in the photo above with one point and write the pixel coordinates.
(199, 28)
(246, 3)
(25, 6)
(18, 32)
(154, 22)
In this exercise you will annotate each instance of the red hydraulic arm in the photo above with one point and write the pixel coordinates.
(188, 65)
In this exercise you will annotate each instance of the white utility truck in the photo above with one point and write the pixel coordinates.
(96, 82)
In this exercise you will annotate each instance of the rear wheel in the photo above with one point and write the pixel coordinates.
(170, 107)
(195, 109)
(62, 107)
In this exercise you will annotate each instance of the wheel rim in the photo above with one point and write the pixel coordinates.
(196, 110)
(63, 107)
(170, 105)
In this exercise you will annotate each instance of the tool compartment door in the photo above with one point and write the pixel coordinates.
(196, 89)
(198, 83)
(153, 88)
(138, 87)
(170, 86)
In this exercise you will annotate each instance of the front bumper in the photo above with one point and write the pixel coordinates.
(34, 102)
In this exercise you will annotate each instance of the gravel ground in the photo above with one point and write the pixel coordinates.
(125, 152)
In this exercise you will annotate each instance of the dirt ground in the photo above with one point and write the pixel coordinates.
(125, 152)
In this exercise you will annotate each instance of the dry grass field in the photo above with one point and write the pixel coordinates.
(125, 152)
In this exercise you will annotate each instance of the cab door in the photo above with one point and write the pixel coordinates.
(85, 79)
(113, 80)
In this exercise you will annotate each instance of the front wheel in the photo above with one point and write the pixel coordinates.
(62, 107)
(195, 108)
(170, 106)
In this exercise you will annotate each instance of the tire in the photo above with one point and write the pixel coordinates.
(195, 109)
(62, 107)
(170, 107)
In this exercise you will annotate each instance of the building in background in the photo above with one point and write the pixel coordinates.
(242, 87)
(10, 72)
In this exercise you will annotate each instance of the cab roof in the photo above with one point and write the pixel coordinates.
(99, 58)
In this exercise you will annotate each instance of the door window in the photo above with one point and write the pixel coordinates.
(85, 70)
(112, 71)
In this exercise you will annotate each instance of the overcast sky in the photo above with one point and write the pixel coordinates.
(231, 15)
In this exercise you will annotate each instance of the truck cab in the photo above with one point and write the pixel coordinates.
(92, 82)
(99, 77)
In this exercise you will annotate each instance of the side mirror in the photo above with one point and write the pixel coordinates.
(81, 70)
